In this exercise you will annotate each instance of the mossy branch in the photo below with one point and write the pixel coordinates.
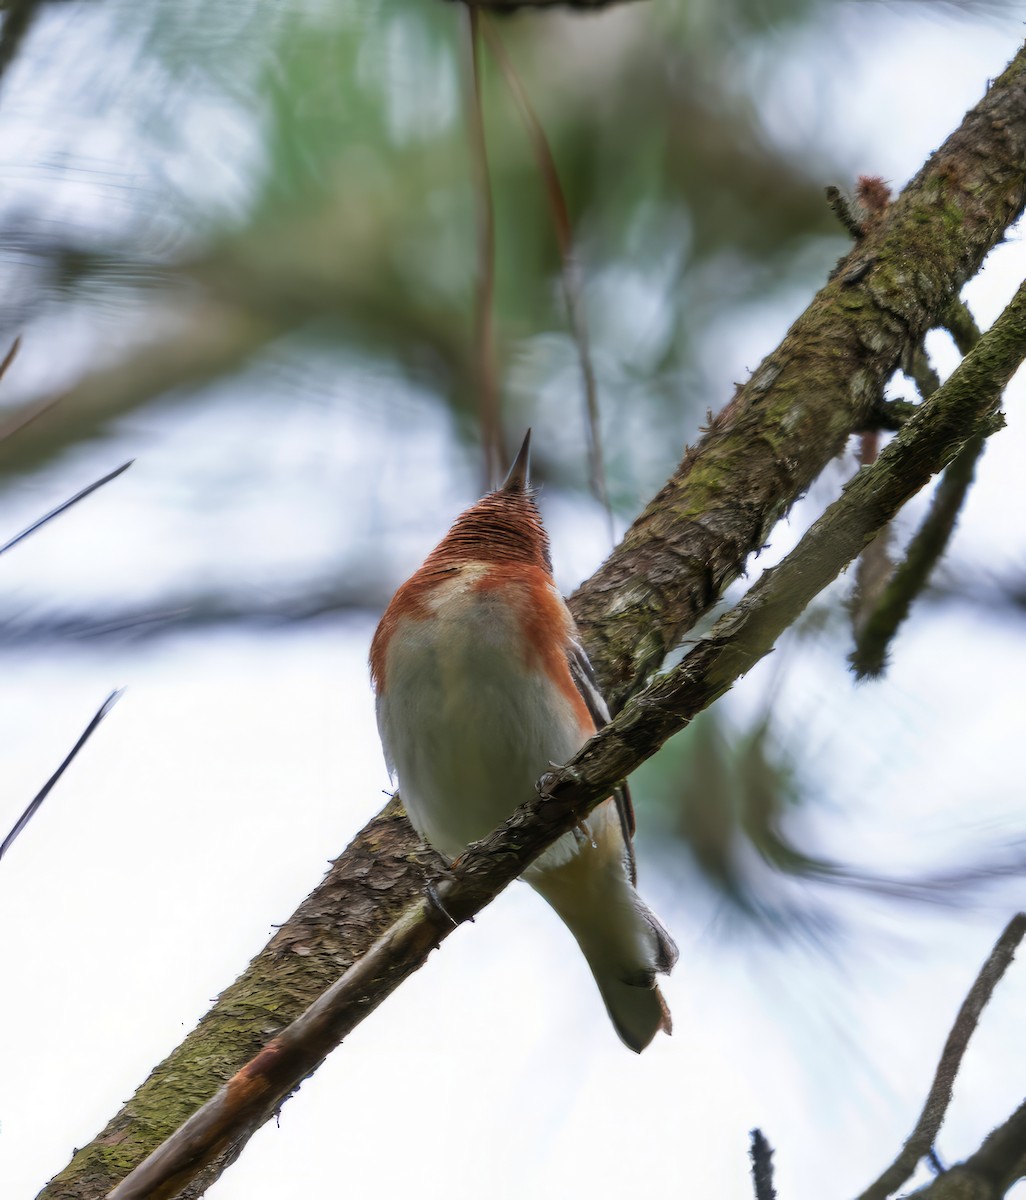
(825, 380)
(878, 625)
(736, 642)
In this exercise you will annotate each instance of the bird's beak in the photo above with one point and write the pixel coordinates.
(519, 477)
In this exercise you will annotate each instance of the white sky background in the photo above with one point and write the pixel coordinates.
(240, 763)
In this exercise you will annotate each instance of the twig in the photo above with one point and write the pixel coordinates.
(10, 356)
(56, 512)
(761, 1154)
(571, 271)
(843, 210)
(959, 322)
(876, 633)
(874, 565)
(925, 1132)
(734, 645)
(879, 623)
(889, 416)
(858, 213)
(920, 370)
(30, 812)
(484, 298)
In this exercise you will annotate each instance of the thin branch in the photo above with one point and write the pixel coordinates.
(960, 323)
(920, 370)
(876, 633)
(56, 512)
(931, 1118)
(484, 298)
(889, 415)
(761, 1154)
(571, 276)
(879, 622)
(844, 210)
(734, 645)
(858, 213)
(47, 787)
(875, 565)
(10, 356)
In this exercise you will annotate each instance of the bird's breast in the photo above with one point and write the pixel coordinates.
(469, 712)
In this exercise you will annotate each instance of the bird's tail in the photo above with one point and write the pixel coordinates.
(623, 942)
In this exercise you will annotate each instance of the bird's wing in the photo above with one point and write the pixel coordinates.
(584, 677)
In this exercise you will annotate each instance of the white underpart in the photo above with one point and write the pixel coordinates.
(467, 726)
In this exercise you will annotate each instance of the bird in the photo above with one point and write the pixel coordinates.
(482, 686)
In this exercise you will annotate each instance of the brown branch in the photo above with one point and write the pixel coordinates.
(571, 275)
(880, 620)
(922, 1137)
(484, 291)
(762, 453)
(844, 210)
(874, 566)
(734, 645)
(800, 405)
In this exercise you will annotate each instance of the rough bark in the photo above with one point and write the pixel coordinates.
(763, 451)
(795, 412)
(736, 642)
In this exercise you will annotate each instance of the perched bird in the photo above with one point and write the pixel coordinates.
(481, 687)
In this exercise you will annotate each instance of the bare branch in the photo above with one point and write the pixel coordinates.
(892, 602)
(571, 273)
(931, 1118)
(801, 404)
(47, 787)
(56, 512)
(761, 1154)
(484, 293)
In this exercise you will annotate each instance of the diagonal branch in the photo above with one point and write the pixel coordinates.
(571, 273)
(892, 601)
(823, 381)
(735, 644)
(921, 1139)
(779, 431)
